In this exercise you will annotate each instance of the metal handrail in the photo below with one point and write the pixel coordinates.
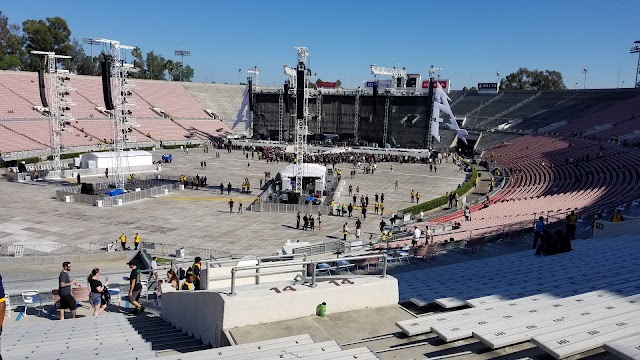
(303, 263)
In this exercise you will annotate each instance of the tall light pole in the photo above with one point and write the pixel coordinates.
(498, 79)
(182, 54)
(585, 71)
(636, 49)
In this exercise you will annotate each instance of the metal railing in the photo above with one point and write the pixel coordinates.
(174, 250)
(303, 271)
(291, 208)
(74, 195)
(51, 249)
(325, 247)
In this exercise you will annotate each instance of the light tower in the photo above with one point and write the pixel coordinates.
(585, 71)
(302, 114)
(121, 121)
(636, 49)
(182, 54)
(57, 90)
(255, 73)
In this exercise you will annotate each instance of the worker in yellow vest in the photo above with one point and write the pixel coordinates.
(197, 266)
(572, 221)
(123, 242)
(188, 283)
(137, 241)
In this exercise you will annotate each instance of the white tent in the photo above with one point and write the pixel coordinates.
(308, 170)
(101, 160)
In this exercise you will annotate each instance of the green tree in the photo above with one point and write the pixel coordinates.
(525, 79)
(465, 89)
(185, 73)
(81, 63)
(11, 47)
(50, 35)
(155, 66)
(338, 83)
(138, 63)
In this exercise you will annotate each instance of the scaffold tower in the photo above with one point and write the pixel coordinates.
(301, 123)
(122, 122)
(57, 91)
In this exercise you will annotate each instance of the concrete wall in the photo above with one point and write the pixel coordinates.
(205, 314)
(58, 259)
(630, 226)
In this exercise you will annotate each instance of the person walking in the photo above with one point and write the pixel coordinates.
(3, 306)
(106, 173)
(240, 207)
(123, 242)
(312, 223)
(231, 206)
(136, 241)
(135, 288)
(467, 213)
(417, 197)
(538, 228)
(228, 188)
(382, 208)
(197, 266)
(319, 220)
(64, 291)
(298, 220)
(413, 195)
(305, 222)
(95, 296)
(572, 221)
(221, 188)
(78, 178)
(396, 185)
(345, 231)
(376, 206)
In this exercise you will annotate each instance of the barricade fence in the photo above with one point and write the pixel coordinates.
(291, 208)
(73, 194)
(181, 251)
(51, 249)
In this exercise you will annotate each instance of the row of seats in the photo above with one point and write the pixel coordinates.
(292, 347)
(566, 304)
(22, 135)
(109, 336)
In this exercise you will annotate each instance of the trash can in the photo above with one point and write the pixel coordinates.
(181, 187)
(180, 253)
(321, 309)
(119, 202)
(166, 191)
(99, 203)
(67, 198)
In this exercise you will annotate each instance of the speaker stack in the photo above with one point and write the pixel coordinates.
(106, 82)
(43, 93)
(300, 84)
(375, 99)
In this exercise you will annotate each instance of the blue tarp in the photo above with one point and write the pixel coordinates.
(114, 192)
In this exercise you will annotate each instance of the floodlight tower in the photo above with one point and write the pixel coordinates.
(255, 73)
(57, 90)
(121, 121)
(182, 54)
(302, 115)
(585, 71)
(636, 49)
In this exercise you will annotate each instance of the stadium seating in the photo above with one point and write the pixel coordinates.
(109, 336)
(561, 302)
(486, 116)
(205, 129)
(224, 100)
(471, 101)
(619, 112)
(13, 106)
(292, 347)
(11, 141)
(541, 182)
(172, 97)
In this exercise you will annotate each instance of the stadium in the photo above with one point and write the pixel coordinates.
(309, 220)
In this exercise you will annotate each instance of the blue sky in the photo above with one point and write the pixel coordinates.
(471, 40)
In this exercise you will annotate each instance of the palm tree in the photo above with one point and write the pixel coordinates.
(170, 66)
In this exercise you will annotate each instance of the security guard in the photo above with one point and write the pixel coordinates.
(137, 240)
(123, 242)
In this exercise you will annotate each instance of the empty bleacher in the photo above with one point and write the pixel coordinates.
(485, 117)
(205, 129)
(108, 336)
(566, 304)
(11, 141)
(292, 347)
(471, 101)
(172, 97)
(223, 99)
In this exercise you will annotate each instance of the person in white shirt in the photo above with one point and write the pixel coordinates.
(416, 236)
(421, 218)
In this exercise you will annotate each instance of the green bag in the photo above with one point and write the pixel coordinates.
(321, 309)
